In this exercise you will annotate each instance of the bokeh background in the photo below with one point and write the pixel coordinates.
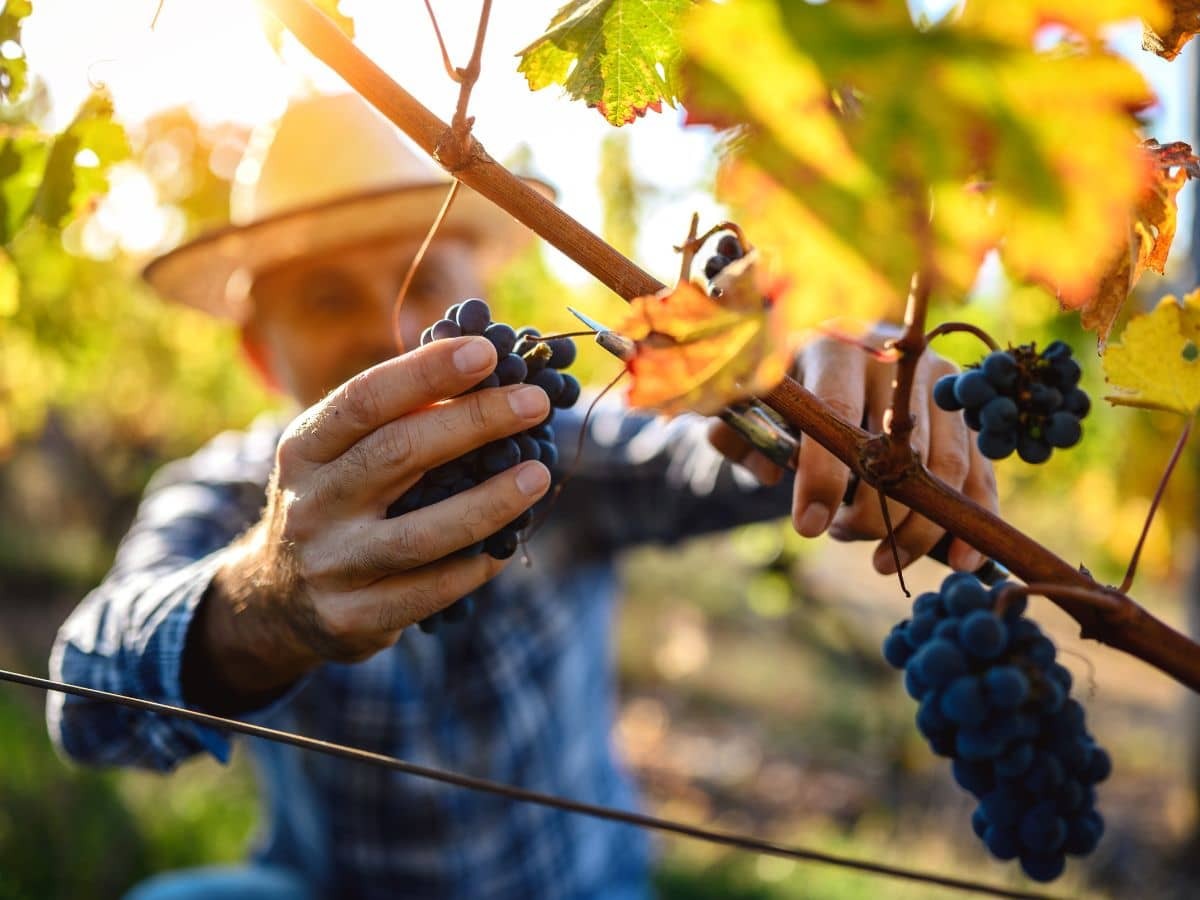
(754, 697)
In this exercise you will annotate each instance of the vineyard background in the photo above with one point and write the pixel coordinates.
(754, 697)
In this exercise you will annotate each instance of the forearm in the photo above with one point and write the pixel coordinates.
(238, 655)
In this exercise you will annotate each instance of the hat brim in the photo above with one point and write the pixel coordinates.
(212, 272)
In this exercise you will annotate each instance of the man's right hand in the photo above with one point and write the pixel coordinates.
(325, 575)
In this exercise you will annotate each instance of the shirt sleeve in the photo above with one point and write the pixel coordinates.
(639, 478)
(127, 636)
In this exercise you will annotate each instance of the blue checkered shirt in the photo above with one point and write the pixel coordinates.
(522, 693)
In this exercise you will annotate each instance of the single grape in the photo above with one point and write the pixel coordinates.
(562, 353)
(1062, 430)
(569, 395)
(996, 444)
(444, 329)
(729, 247)
(1001, 369)
(943, 393)
(503, 338)
(973, 390)
(714, 265)
(474, 316)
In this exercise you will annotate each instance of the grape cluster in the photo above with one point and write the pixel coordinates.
(1019, 399)
(728, 249)
(521, 356)
(993, 698)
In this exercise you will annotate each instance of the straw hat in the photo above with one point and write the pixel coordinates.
(331, 172)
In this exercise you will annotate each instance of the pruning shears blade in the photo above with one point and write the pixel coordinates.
(618, 345)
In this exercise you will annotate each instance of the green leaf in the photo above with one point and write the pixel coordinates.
(620, 56)
(78, 161)
(22, 161)
(13, 71)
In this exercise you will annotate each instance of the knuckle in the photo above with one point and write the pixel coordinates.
(396, 443)
(949, 464)
(360, 400)
(426, 373)
(477, 412)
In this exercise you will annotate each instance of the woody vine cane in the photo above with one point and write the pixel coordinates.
(884, 461)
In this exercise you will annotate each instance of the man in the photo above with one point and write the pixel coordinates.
(263, 579)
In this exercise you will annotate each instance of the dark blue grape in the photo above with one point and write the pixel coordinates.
(999, 414)
(1033, 449)
(490, 382)
(1099, 767)
(943, 393)
(529, 447)
(499, 456)
(947, 629)
(729, 247)
(1001, 369)
(562, 353)
(501, 545)
(549, 452)
(1005, 687)
(474, 316)
(1044, 399)
(916, 688)
(963, 702)
(511, 369)
(975, 745)
(1077, 403)
(1064, 373)
(1002, 806)
(939, 662)
(1062, 430)
(1042, 829)
(550, 381)
(569, 395)
(920, 629)
(444, 329)
(896, 649)
(983, 635)
(503, 338)
(996, 444)
(1043, 866)
(1057, 350)
(962, 593)
(973, 390)
(1084, 833)
(714, 264)
(426, 336)
(459, 610)
(1002, 842)
(1015, 760)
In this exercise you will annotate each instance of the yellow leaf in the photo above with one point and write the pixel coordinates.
(695, 354)
(1157, 363)
(1023, 20)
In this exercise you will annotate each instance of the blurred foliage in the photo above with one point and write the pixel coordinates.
(71, 832)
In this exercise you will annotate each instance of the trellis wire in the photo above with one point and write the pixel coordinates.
(742, 842)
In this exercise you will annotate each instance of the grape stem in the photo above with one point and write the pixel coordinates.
(1124, 624)
(950, 327)
(1158, 494)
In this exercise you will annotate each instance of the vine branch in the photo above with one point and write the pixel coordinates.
(1124, 625)
(951, 327)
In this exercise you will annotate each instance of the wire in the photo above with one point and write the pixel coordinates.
(742, 842)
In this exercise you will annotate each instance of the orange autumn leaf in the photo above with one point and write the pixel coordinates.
(1183, 23)
(1150, 234)
(694, 353)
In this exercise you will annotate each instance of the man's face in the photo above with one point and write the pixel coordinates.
(319, 320)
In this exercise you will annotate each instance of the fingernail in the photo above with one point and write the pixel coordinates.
(814, 520)
(533, 479)
(529, 401)
(473, 355)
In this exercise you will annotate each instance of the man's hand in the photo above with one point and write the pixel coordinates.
(325, 575)
(850, 382)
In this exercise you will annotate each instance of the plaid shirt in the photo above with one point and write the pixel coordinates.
(521, 693)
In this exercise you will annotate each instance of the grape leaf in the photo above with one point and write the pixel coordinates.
(1168, 39)
(693, 353)
(619, 56)
(866, 124)
(13, 76)
(1088, 18)
(1151, 230)
(78, 160)
(1157, 363)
